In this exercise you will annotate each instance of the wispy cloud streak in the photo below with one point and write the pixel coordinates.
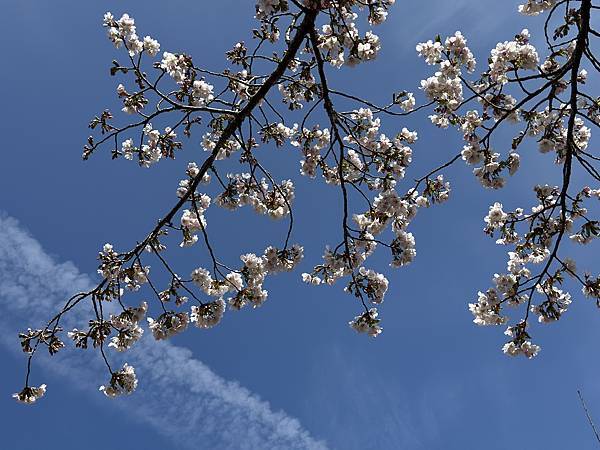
(179, 395)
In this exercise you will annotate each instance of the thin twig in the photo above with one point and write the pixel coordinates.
(587, 414)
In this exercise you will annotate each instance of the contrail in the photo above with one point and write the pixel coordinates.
(179, 395)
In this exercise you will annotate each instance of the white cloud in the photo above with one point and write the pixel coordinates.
(178, 394)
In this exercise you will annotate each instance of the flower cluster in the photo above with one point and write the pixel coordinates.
(194, 220)
(245, 189)
(132, 103)
(176, 66)
(312, 142)
(128, 329)
(168, 324)
(390, 157)
(283, 260)
(123, 31)
(122, 382)
(49, 338)
(208, 315)
(535, 245)
(245, 284)
(367, 323)
(370, 283)
(30, 394)
(266, 8)
(512, 55)
(210, 140)
(520, 344)
(157, 146)
(380, 162)
(487, 309)
(202, 93)
(299, 91)
(254, 273)
(556, 303)
(340, 39)
(215, 288)
(496, 217)
(111, 268)
(445, 87)
(535, 7)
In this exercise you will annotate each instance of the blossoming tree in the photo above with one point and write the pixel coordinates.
(542, 96)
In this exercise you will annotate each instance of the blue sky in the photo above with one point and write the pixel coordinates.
(432, 380)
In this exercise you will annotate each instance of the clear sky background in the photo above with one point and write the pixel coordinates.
(433, 380)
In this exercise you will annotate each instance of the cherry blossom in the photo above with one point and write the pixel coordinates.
(277, 94)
